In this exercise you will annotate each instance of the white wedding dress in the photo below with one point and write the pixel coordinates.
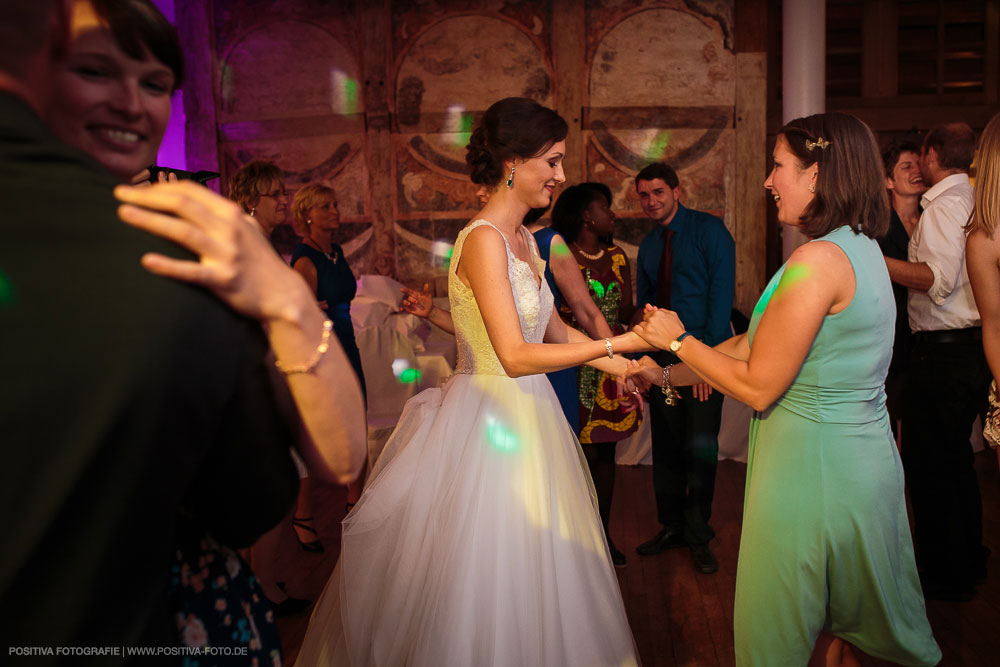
(477, 540)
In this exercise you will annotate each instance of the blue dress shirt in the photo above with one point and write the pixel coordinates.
(703, 273)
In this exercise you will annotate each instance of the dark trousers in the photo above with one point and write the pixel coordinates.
(685, 455)
(947, 388)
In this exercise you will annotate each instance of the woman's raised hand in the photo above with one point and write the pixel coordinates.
(417, 303)
(235, 261)
(659, 327)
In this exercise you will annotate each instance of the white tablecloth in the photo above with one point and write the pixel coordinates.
(401, 354)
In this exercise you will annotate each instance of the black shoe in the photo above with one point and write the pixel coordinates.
(704, 560)
(617, 557)
(947, 593)
(304, 523)
(981, 565)
(667, 538)
(936, 589)
(289, 606)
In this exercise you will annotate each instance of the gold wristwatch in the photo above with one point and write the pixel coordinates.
(675, 346)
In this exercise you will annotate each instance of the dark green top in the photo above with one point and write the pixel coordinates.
(125, 399)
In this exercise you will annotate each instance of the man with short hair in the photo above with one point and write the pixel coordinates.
(905, 184)
(126, 399)
(687, 264)
(948, 377)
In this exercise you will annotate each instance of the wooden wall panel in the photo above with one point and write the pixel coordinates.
(378, 99)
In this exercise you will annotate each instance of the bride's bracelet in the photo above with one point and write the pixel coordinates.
(670, 395)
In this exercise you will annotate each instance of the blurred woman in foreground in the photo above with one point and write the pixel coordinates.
(982, 258)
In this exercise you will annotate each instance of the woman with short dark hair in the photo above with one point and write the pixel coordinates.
(583, 218)
(826, 559)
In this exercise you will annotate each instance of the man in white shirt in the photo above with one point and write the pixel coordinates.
(948, 377)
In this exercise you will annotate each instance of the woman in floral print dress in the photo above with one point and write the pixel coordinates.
(583, 217)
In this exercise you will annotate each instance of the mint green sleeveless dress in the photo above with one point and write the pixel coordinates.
(826, 545)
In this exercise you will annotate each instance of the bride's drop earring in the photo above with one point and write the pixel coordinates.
(510, 179)
(252, 211)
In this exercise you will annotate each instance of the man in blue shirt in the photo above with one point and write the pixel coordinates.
(687, 264)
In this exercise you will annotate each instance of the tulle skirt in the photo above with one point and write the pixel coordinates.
(477, 541)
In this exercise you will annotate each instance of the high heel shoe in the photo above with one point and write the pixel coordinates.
(305, 523)
(289, 606)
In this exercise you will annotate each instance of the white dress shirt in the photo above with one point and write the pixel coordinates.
(939, 240)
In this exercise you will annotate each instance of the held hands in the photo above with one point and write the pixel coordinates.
(235, 261)
(650, 373)
(630, 387)
(659, 327)
(417, 303)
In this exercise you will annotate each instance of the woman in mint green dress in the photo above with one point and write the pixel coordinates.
(826, 559)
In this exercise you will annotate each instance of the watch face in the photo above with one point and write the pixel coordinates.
(675, 345)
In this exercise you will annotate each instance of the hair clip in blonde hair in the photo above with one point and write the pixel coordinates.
(820, 143)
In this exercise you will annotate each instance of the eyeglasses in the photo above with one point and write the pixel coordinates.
(277, 194)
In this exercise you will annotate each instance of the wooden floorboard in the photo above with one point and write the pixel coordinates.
(678, 616)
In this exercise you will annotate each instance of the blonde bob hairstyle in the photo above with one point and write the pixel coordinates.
(986, 208)
(308, 196)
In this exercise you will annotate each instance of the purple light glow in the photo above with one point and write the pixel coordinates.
(172, 153)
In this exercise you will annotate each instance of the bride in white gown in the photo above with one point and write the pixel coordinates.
(477, 540)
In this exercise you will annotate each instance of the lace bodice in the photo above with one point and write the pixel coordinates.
(533, 303)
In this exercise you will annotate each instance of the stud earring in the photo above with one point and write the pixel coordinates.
(510, 179)
(812, 187)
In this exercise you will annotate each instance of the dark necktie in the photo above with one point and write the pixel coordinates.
(666, 270)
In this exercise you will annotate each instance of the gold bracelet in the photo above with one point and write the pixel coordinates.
(611, 350)
(670, 394)
(309, 366)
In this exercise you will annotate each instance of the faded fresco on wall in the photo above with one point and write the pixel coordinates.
(446, 76)
(656, 81)
(288, 92)
(661, 87)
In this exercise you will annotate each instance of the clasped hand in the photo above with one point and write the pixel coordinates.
(659, 327)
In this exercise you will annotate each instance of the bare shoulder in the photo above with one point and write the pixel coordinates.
(823, 255)
(979, 241)
(484, 239)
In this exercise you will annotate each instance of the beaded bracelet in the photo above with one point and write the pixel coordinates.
(611, 350)
(309, 366)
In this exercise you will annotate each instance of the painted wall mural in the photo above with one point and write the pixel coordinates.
(657, 81)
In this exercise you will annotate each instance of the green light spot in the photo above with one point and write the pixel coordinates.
(559, 249)
(464, 129)
(6, 290)
(409, 376)
(765, 298)
(658, 146)
(597, 287)
(500, 437)
(793, 275)
(350, 96)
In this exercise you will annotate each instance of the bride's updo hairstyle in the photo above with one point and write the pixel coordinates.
(512, 127)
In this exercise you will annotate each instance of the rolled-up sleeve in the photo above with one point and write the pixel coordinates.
(940, 243)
